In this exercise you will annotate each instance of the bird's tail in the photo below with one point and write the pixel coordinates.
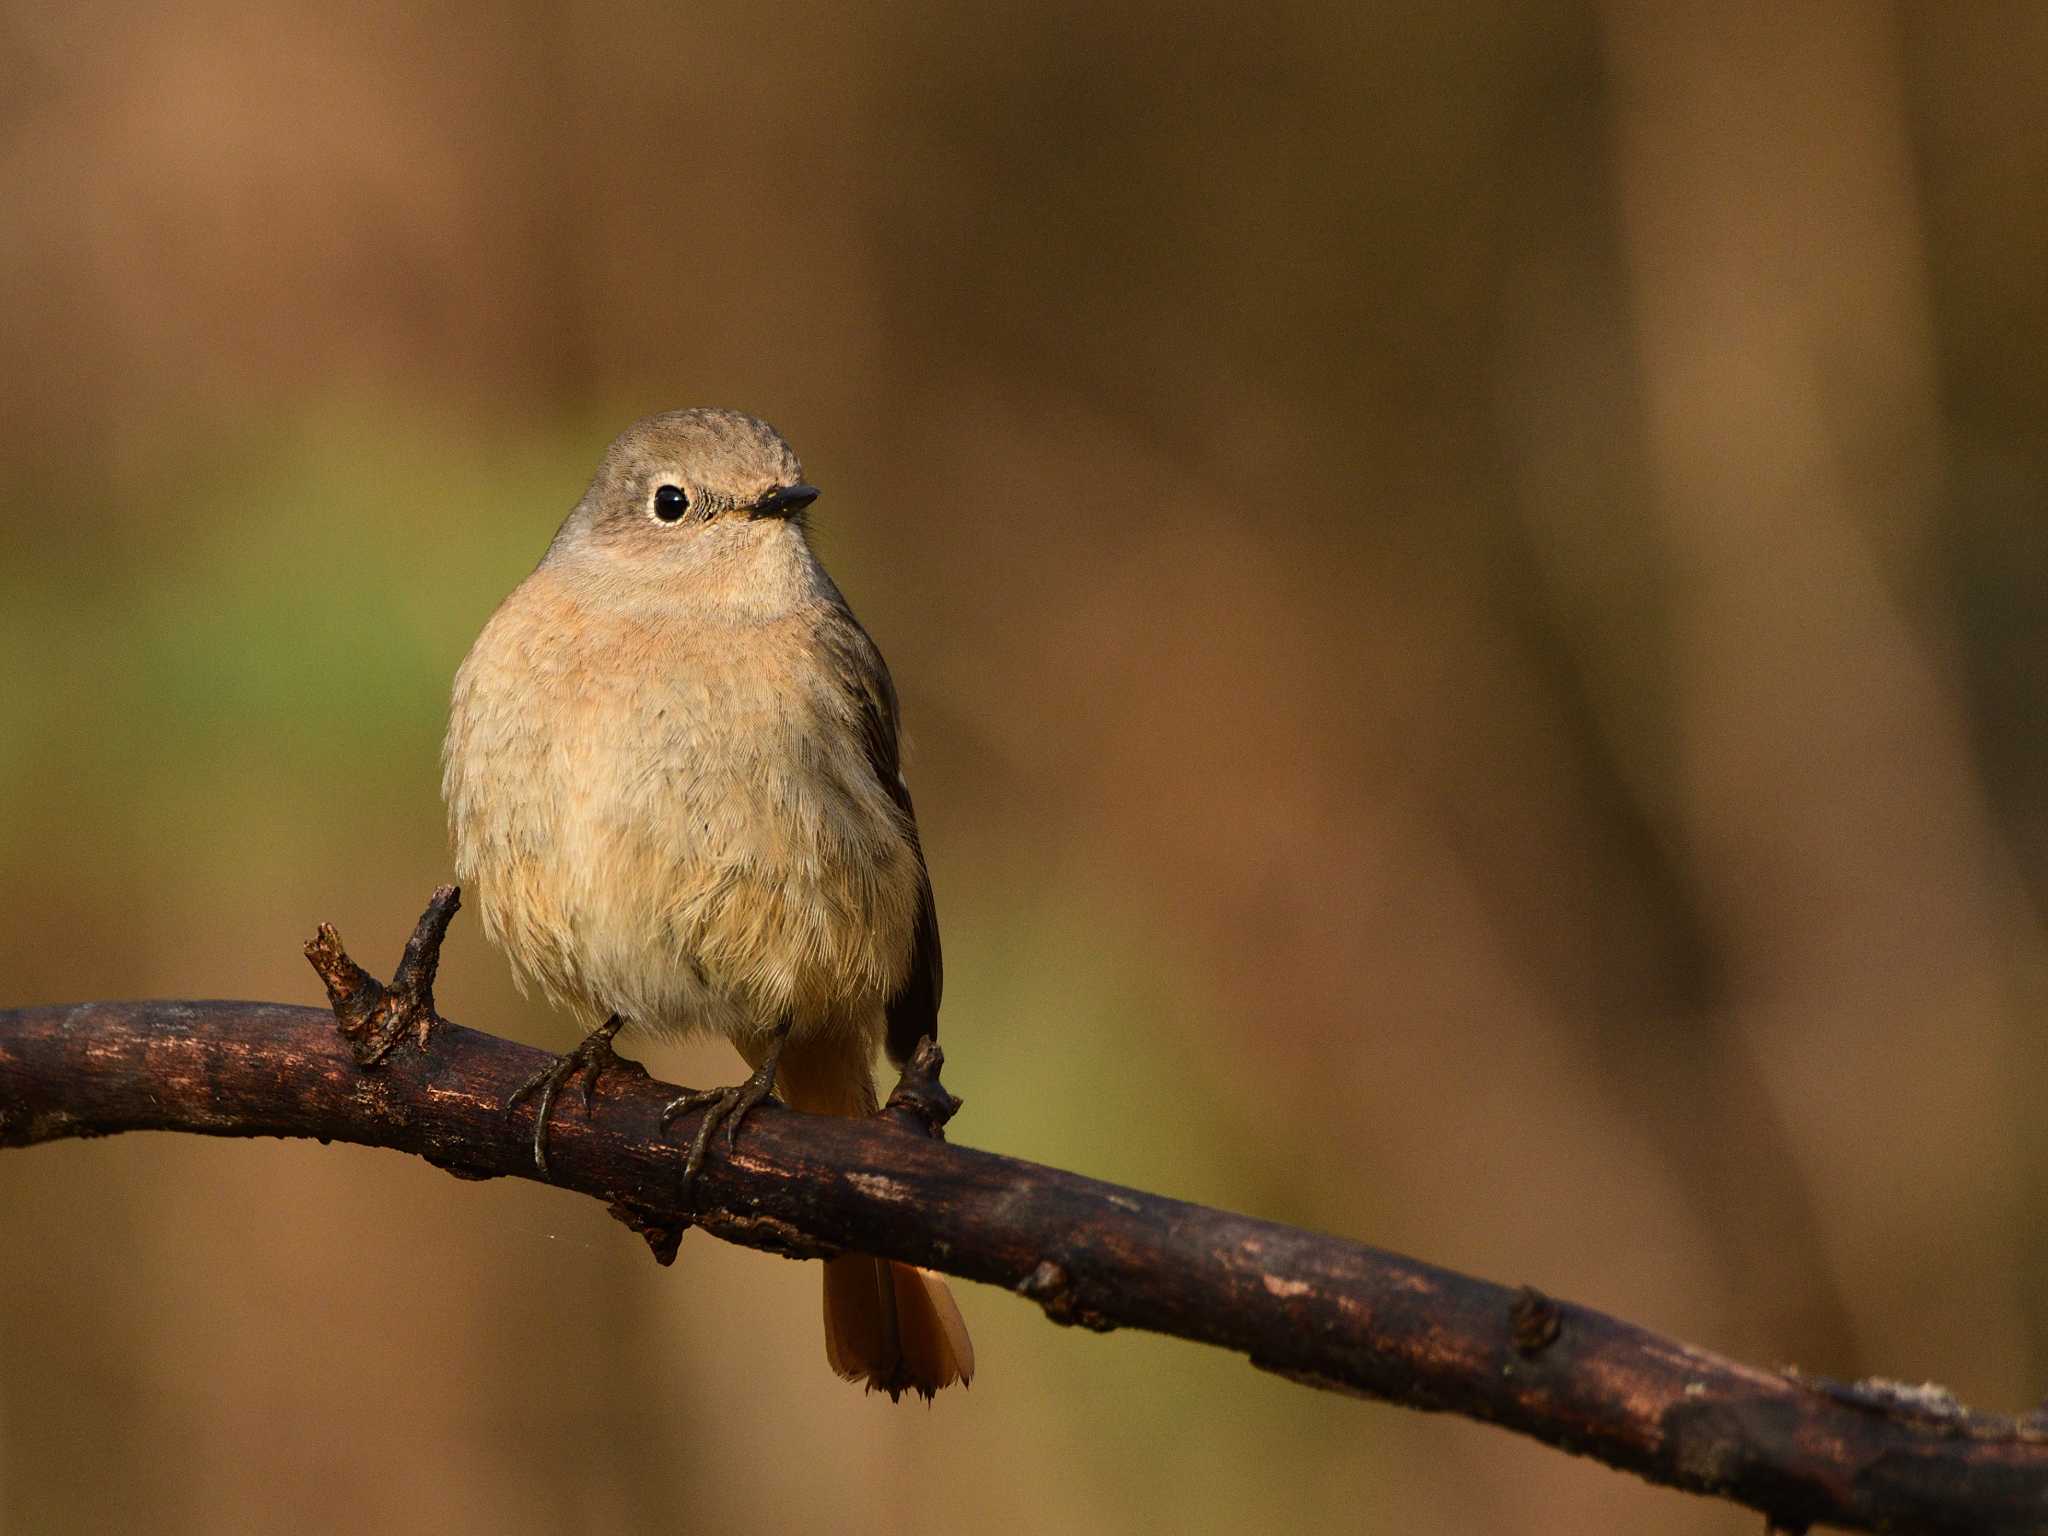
(893, 1326)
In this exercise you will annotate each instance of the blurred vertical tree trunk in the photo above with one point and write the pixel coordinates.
(1824, 791)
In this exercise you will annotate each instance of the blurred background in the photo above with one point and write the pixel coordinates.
(1468, 588)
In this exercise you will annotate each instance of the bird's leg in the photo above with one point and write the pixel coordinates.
(593, 1057)
(726, 1106)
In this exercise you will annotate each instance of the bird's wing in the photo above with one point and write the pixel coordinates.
(914, 1011)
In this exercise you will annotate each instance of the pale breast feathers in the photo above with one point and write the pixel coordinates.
(683, 825)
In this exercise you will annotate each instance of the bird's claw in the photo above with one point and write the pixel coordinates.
(726, 1107)
(592, 1057)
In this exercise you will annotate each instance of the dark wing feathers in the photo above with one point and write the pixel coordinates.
(914, 1011)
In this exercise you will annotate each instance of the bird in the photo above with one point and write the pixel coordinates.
(674, 782)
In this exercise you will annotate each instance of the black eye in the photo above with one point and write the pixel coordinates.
(670, 503)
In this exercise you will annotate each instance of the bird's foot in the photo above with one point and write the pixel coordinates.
(722, 1106)
(593, 1057)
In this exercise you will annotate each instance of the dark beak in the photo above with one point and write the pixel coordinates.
(784, 501)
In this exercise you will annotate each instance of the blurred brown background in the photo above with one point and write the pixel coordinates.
(1467, 581)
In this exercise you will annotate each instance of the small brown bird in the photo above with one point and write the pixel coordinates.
(673, 782)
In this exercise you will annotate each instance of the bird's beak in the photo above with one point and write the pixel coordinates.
(784, 501)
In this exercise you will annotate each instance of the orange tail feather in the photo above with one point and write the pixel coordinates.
(894, 1326)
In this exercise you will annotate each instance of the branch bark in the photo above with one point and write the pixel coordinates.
(1319, 1310)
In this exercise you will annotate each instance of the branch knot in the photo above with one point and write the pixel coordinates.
(372, 1017)
(919, 1099)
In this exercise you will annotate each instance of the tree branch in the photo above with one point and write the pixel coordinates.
(1318, 1310)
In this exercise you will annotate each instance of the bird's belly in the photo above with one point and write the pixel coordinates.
(726, 885)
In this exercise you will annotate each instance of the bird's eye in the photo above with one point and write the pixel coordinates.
(670, 503)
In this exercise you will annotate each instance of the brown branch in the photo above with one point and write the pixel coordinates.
(1315, 1309)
